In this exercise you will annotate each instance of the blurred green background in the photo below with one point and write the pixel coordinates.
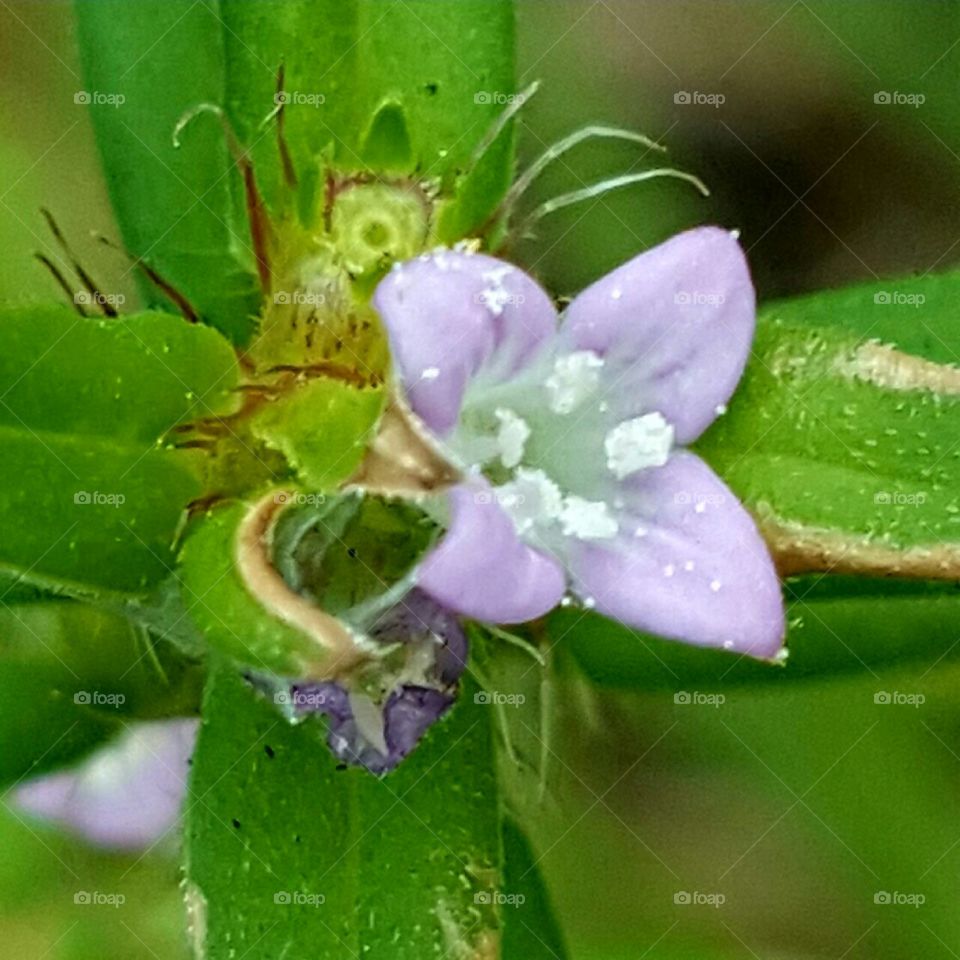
(796, 805)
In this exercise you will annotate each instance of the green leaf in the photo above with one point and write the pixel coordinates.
(133, 377)
(322, 427)
(175, 207)
(71, 676)
(386, 145)
(90, 501)
(916, 314)
(286, 852)
(530, 931)
(826, 434)
(445, 68)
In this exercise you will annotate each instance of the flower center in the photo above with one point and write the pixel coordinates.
(550, 443)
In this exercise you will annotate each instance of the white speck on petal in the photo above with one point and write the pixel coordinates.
(575, 377)
(496, 296)
(688, 566)
(720, 409)
(589, 602)
(715, 585)
(640, 532)
(616, 294)
(511, 438)
(700, 507)
(430, 373)
(587, 519)
(638, 444)
(669, 570)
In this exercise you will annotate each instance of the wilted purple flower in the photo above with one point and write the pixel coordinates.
(377, 728)
(569, 438)
(124, 796)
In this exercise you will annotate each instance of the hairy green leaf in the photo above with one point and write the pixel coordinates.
(831, 433)
(287, 852)
(90, 501)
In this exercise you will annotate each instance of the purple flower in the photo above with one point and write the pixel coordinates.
(569, 439)
(127, 794)
(376, 726)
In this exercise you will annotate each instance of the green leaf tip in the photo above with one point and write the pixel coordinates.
(386, 145)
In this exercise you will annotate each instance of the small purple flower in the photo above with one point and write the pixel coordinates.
(569, 438)
(127, 794)
(377, 725)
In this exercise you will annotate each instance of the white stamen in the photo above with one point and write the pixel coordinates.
(720, 409)
(638, 444)
(575, 377)
(587, 519)
(531, 498)
(589, 602)
(512, 437)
